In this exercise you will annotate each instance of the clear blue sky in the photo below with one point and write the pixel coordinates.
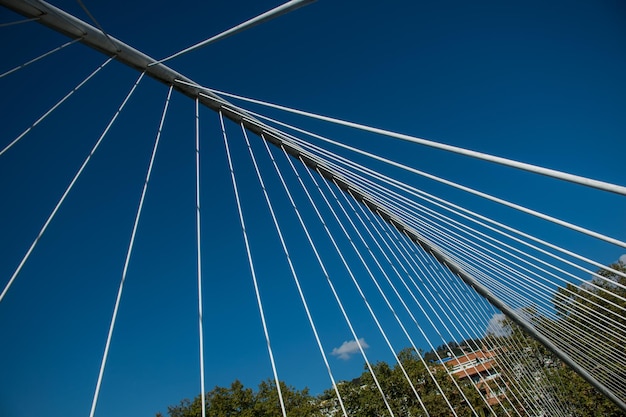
(541, 82)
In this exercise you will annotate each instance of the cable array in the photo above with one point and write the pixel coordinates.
(408, 268)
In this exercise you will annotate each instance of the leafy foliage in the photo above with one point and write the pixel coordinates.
(575, 304)
(244, 402)
(535, 377)
(556, 382)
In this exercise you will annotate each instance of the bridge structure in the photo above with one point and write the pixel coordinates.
(320, 221)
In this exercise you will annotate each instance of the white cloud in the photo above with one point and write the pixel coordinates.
(623, 258)
(348, 349)
(495, 326)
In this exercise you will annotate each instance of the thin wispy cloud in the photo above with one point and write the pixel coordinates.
(349, 348)
(496, 326)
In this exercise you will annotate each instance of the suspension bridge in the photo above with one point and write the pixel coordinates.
(300, 231)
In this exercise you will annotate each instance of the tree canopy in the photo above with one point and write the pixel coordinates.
(552, 383)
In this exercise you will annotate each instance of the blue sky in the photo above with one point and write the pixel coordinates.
(540, 82)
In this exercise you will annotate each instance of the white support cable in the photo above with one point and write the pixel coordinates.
(514, 299)
(583, 280)
(433, 230)
(437, 238)
(62, 199)
(542, 291)
(281, 134)
(18, 22)
(535, 378)
(404, 252)
(452, 249)
(6, 148)
(319, 261)
(392, 264)
(388, 230)
(424, 335)
(392, 252)
(503, 359)
(419, 271)
(433, 273)
(447, 293)
(363, 297)
(576, 337)
(558, 331)
(434, 200)
(606, 320)
(577, 179)
(593, 335)
(501, 362)
(558, 394)
(378, 226)
(473, 327)
(429, 263)
(524, 303)
(417, 193)
(525, 372)
(330, 283)
(346, 215)
(376, 241)
(199, 263)
(564, 344)
(252, 270)
(529, 379)
(408, 379)
(499, 244)
(448, 205)
(498, 287)
(131, 244)
(354, 280)
(491, 198)
(350, 272)
(284, 246)
(324, 224)
(603, 290)
(362, 294)
(587, 323)
(264, 17)
(460, 296)
(58, 48)
(465, 328)
(581, 340)
(511, 273)
(496, 284)
(475, 247)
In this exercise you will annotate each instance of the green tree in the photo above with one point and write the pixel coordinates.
(536, 377)
(244, 402)
(362, 397)
(579, 308)
(297, 403)
(603, 304)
